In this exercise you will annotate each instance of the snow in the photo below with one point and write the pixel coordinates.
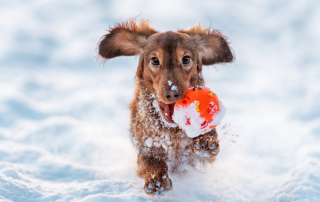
(64, 118)
(174, 87)
(149, 142)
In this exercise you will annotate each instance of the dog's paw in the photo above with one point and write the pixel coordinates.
(205, 146)
(157, 186)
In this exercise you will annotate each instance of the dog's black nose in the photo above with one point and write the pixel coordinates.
(172, 95)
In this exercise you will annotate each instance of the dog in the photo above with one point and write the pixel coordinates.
(166, 59)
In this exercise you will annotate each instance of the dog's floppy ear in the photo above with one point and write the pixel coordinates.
(125, 39)
(213, 47)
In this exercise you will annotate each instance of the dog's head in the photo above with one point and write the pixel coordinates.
(170, 62)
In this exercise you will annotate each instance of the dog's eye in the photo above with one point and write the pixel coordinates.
(186, 59)
(154, 61)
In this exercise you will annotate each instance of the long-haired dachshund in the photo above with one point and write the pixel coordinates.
(166, 59)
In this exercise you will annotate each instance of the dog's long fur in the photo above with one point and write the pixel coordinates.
(163, 148)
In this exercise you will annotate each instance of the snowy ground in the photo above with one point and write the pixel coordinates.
(64, 117)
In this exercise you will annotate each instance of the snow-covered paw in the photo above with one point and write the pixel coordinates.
(156, 186)
(205, 146)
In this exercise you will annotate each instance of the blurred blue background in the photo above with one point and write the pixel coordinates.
(64, 116)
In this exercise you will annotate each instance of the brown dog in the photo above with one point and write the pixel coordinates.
(167, 60)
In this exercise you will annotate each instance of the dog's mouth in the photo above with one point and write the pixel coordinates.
(167, 111)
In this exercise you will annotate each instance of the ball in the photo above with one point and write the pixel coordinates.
(199, 112)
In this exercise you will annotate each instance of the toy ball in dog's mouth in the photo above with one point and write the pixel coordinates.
(199, 112)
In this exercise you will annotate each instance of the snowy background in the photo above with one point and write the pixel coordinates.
(64, 117)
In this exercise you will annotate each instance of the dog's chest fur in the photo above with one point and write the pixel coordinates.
(150, 130)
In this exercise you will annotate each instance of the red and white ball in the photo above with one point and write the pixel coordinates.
(199, 112)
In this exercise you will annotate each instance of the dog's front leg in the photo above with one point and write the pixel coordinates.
(153, 168)
(206, 145)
